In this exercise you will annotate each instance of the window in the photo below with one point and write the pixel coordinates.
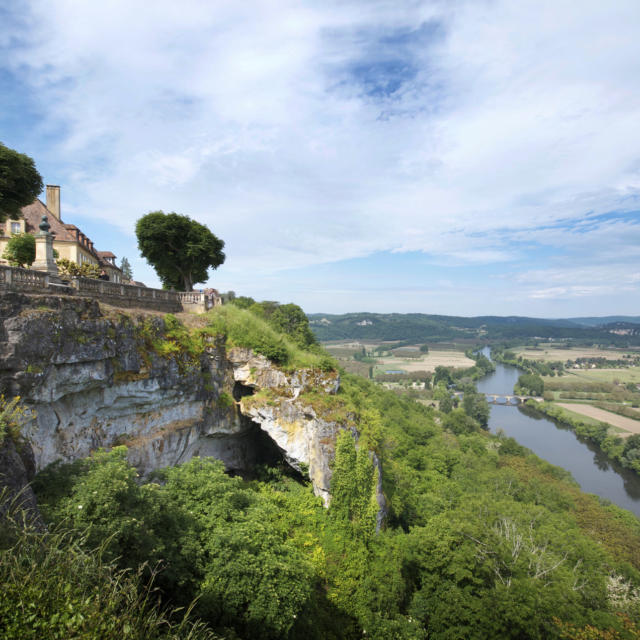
(16, 227)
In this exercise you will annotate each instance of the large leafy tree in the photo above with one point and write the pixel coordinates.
(20, 182)
(180, 249)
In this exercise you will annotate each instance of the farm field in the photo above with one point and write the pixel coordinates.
(632, 374)
(427, 362)
(621, 422)
(550, 354)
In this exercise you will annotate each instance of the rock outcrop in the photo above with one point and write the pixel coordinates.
(306, 439)
(99, 379)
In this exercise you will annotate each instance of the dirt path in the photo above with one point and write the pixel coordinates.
(628, 424)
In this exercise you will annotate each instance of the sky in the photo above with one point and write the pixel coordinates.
(450, 157)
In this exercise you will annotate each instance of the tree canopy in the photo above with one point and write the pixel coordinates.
(180, 249)
(20, 182)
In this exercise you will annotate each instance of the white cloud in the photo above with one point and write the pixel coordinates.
(255, 118)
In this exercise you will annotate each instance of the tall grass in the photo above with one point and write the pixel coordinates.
(245, 329)
(52, 588)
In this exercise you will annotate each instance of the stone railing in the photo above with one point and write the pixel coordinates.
(116, 294)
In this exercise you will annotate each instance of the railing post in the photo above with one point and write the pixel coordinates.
(9, 276)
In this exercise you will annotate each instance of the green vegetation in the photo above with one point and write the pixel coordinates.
(20, 182)
(529, 384)
(289, 319)
(245, 328)
(55, 586)
(418, 328)
(20, 250)
(480, 538)
(125, 267)
(180, 249)
(626, 451)
(13, 415)
(72, 269)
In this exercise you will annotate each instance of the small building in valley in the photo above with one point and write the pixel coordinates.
(68, 240)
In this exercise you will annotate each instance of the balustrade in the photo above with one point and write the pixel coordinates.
(131, 294)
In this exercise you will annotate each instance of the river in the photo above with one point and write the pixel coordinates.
(593, 471)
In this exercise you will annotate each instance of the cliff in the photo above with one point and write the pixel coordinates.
(98, 378)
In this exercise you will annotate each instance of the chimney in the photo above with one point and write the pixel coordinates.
(53, 200)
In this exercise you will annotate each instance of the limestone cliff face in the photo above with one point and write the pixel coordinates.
(95, 380)
(306, 439)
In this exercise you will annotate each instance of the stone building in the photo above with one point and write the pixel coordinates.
(68, 240)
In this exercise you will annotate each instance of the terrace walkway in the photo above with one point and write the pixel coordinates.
(116, 294)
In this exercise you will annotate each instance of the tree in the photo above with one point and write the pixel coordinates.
(180, 249)
(20, 182)
(244, 302)
(531, 384)
(20, 250)
(125, 267)
(424, 348)
(292, 320)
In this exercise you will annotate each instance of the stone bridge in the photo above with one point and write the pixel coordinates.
(503, 399)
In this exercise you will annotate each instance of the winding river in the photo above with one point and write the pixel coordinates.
(559, 445)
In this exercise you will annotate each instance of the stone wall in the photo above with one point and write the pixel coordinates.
(116, 294)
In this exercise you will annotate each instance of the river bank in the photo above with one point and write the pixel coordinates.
(560, 444)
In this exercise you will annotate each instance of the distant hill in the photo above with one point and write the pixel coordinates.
(599, 322)
(421, 327)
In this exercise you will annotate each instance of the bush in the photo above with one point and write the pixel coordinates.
(72, 269)
(54, 588)
(20, 250)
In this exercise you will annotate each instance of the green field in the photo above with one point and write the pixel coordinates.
(632, 374)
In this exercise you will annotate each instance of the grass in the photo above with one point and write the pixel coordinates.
(548, 353)
(632, 374)
(579, 416)
(244, 329)
(52, 588)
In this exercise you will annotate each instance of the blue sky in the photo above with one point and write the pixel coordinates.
(471, 157)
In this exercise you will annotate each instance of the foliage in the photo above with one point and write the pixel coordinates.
(20, 250)
(246, 329)
(476, 406)
(125, 267)
(481, 539)
(418, 328)
(72, 269)
(13, 414)
(180, 249)
(530, 384)
(292, 321)
(55, 586)
(244, 302)
(20, 182)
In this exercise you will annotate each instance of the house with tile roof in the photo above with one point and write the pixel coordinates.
(68, 240)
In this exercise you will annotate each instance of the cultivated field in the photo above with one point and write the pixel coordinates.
(628, 424)
(632, 374)
(549, 354)
(427, 362)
